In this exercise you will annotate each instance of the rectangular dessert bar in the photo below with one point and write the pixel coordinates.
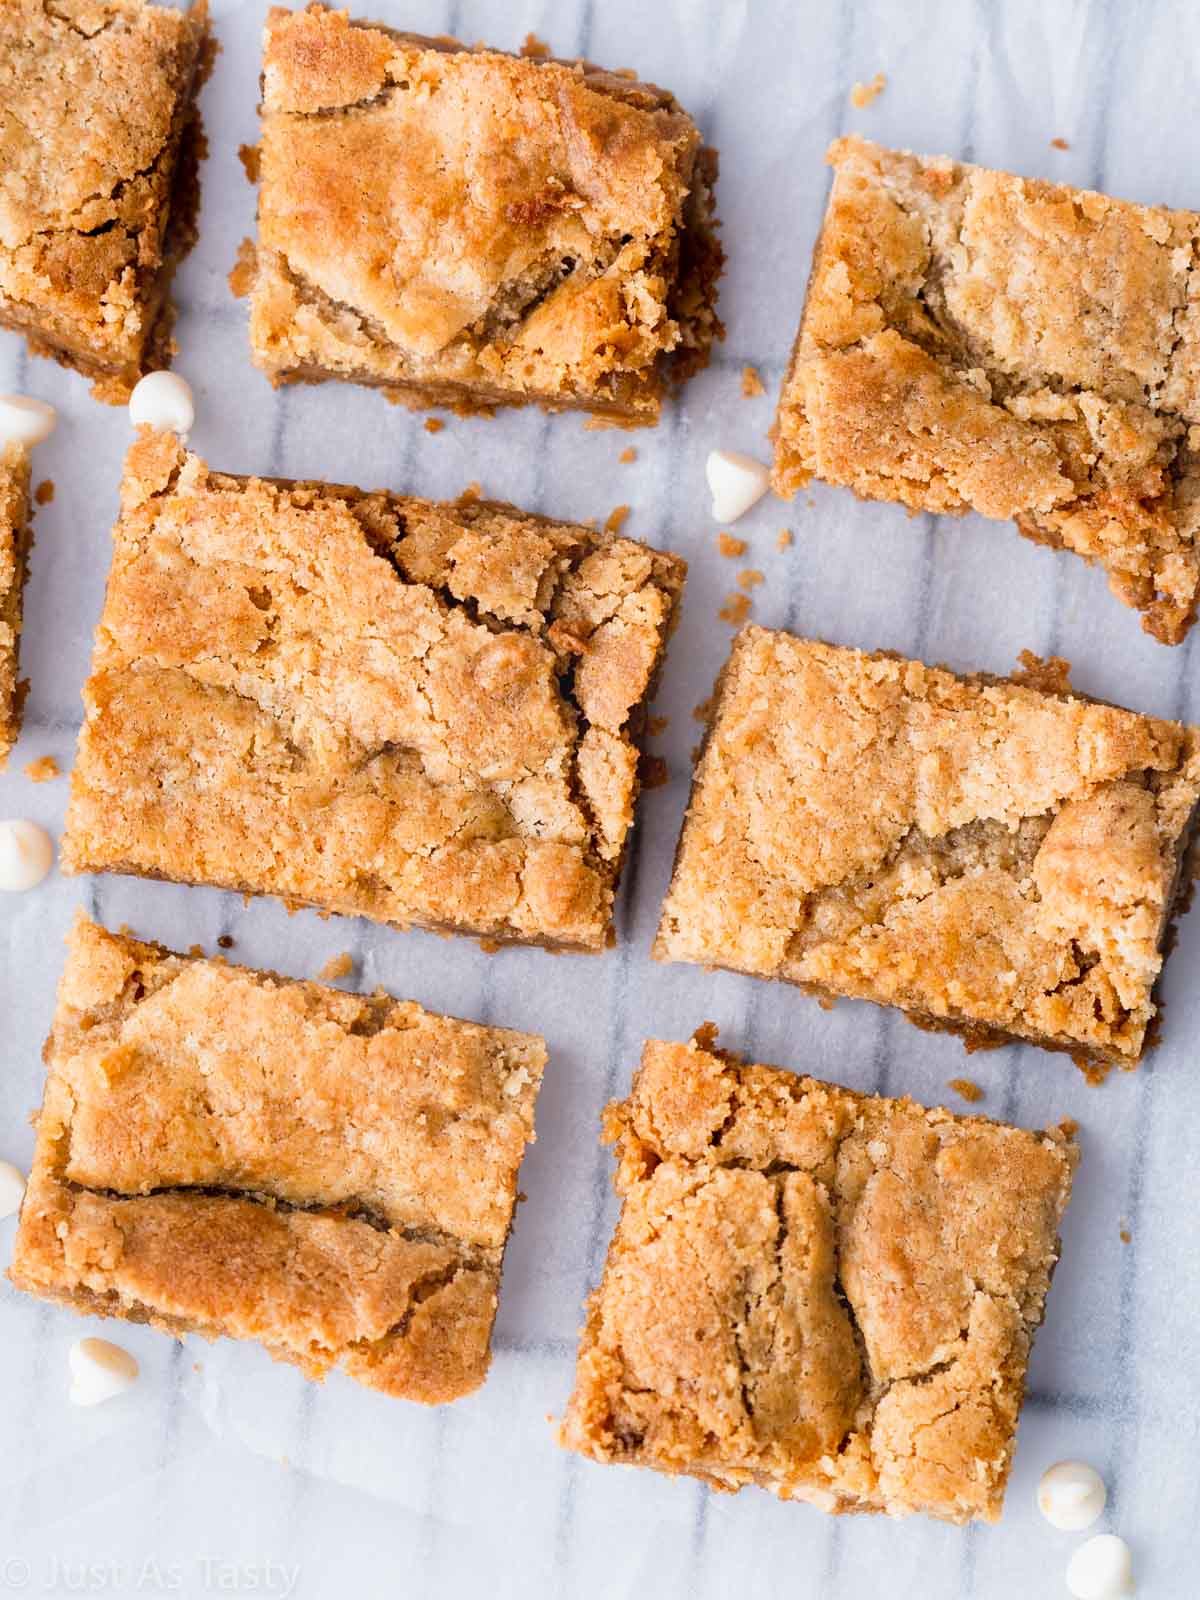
(998, 856)
(371, 704)
(463, 227)
(977, 341)
(98, 158)
(223, 1151)
(827, 1294)
(15, 540)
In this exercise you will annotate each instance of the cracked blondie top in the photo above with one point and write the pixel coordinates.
(827, 1294)
(463, 227)
(372, 704)
(977, 341)
(98, 155)
(224, 1151)
(993, 855)
(15, 542)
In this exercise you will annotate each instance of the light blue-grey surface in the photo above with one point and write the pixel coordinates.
(219, 1456)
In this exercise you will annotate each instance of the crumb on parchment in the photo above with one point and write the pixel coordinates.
(783, 538)
(616, 519)
(968, 1088)
(43, 770)
(863, 94)
(736, 608)
(752, 384)
(627, 455)
(44, 492)
(434, 424)
(749, 578)
(339, 966)
(728, 545)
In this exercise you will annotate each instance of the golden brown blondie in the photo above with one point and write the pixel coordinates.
(463, 227)
(99, 146)
(827, 1294)
(224, 1151)
(977, 341)
(992, 856)
(372, 704)
(15, 540)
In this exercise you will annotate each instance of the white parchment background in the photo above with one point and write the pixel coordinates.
(222, 1457)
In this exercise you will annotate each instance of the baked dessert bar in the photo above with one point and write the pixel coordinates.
(98, 158)
(977, 341)
(15, 541)
(827, 1294)
(462, 227)
(368, 703)
(997, 856)
(222, 1151)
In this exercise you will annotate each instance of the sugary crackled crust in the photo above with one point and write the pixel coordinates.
(15, 540)
(974, 340)
(827, 1294)
(229, 1152)
(986, 854)
(382, 706)
(98, 150)
(462, 226)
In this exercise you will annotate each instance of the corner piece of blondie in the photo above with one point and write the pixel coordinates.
(15, 542)
(977, 341)
(223, 1151)
(99, 149)
(827, 1294)
(463, 227)
(420, 713)
(996, 856)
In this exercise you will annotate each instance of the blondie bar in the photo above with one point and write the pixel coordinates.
(827, 1294)
(462, 227)
(973, 340)
(371, 704)
(993, 855)
(15, 540)
(98, 157)
(223, 1151)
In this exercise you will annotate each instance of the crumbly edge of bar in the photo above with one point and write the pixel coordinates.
(975, 1035)
(15, 523)
(670, 572)
(728, 1476)
(63, 340)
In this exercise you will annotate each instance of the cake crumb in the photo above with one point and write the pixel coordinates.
(490, 947)
(616, 519)
(862, 94)
(1059, 144)
(783, 538)
(43, 770)
(627, 455)
(602, 424)
(656, 725)
(752, 384)
(1126, 1236)
(340, 966)
(1051, 675)
(968, 1088)
(243, 271)
(225, 941)
(749, 578)
(44, 492)
(196, 951)
(736, 608)
(729, 546)
(434, 424)
(653, 772)
(248, 155)
(473, 491)
(536, 49)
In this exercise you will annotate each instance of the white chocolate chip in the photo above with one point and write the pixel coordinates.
(1071, 1495)
(737, 483)
(24, 420)
(12, 1189)
(1101, 1569)
(162, 400)
(99, 1371)
(26, 855)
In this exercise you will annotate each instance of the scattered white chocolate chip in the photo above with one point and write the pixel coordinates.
(12, 1189)
(737, 483)
(26, 855)
(99, 1371)
(1071, 1495)
(1101, 1569)
(162, 400)
(24, 420)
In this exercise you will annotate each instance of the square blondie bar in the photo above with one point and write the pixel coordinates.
(995, 856)
(98, 157)
(15, 541)
(463, 227)
(827, 1294)
(977, 341)
(368, 703)
(224, 1151)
